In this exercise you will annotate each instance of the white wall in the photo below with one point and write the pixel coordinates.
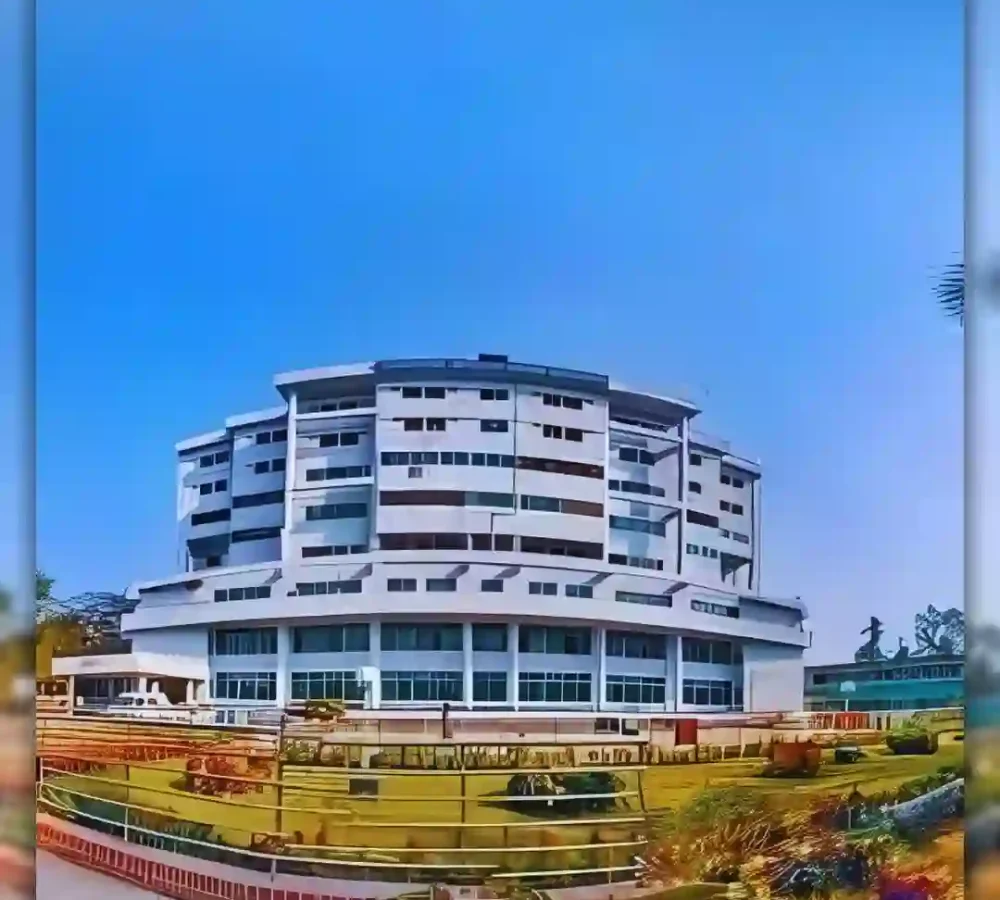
(773, 678)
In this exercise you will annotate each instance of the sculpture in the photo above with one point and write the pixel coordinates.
(870, 650)
(903, 651)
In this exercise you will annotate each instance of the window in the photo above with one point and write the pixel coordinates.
(738, 482)
(442, 585)
(703, 650)
(493, 425)
(554, 687)
(413, 424)
(446, 498)
(546, 588)
(716, 609)
(313, 588)
(260, 592)
(636, 690)
(558, 505)
(636, 455)
(583, 591)
(724, 505)
(338, 473)
(407, 636)
(326, 686)
(694, 459)
(402, 585)
(352, 638)
(489, 687)
(644, 599)
(700, 518)
(552, 431)
(214, 515)
(491, 638)
(740, 538)
(554, 639)
(255, 534)
(635, 562)
(336, 511)
(737, 509)
(491, 586)
(245, 642)
(494, 394)
(563, 401)
(265, 499)
(725, 479)
(213, 562)
(636, 645)
(643, 526)
(437, 687)
(448, 458)
(340, 439)
(246, 686)
(269, 465)
(574, 434)
(208, 487)
(436, 425)
(706, 692)
(213, 459)
(434, 393)
(560, 467)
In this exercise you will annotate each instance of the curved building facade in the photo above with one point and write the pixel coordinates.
(479, 532)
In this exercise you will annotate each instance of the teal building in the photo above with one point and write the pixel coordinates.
(929, 682)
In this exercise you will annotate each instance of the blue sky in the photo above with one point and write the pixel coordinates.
(743, 201)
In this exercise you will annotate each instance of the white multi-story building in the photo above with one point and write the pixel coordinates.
(480, 532)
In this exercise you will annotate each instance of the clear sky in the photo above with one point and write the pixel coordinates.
(744, 200)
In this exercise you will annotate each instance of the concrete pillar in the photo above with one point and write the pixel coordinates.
(290, 458)
(282, 691)
(143, 684)
(514, 670)
(71, 692)
(600, 649)
(467, 664)
(189, 691)
(678, 673)
(375, 654)
(682, 469)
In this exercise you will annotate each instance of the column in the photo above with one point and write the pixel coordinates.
(189, 692)
(71, 692)
(514, 670)
(286, 532)
(467, 664)
(678, 673)
(755, 510)
(601, 694)
(375, 655)
(143, 684)
(682, 470)
(282, 691)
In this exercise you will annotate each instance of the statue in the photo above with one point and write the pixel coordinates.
(903, 652)
(940, 633)
(870, 650)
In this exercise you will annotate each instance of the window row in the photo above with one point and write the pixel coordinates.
(333, 550)
(335, 439)
(705, 650)
(269, 465)
(735, 508)
(644, 599)
(447, 458)
(491, 542)
(316, 406)
(642, 526)
(321, 588)
(707, 692)
(446, 498)
(338, 473)
(707, 552)
(636, 487)
(563, 401)
(636, 690)
(277, 436)
(636, 562)
(559, 433)
(637, 455)
(559, 505)
(213, 459)
(716, 609)
(267, 498)
(336, 511)
(258, 592)
(731, 480)
(551, 589)
(495, 426)
(213, 487)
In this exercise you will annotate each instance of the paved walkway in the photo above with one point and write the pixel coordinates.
(57, 879)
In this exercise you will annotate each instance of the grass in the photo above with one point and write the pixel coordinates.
(430, 823)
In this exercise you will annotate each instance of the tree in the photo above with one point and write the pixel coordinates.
(950, 290)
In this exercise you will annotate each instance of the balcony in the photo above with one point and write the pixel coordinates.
(105, 647)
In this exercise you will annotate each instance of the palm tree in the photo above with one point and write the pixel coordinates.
(950, 290)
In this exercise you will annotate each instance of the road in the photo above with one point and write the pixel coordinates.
(57, 879)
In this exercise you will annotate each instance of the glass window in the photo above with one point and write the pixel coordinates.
(489, 687)
(489, 637)
(326, 686)
(245, 642)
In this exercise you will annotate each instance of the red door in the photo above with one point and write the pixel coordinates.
(685, 731)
